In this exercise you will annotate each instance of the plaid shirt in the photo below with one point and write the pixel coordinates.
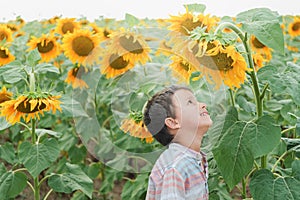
(179, 173)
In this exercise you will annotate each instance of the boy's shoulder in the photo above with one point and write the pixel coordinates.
(174, 157)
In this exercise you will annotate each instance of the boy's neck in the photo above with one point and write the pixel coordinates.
(195, 145)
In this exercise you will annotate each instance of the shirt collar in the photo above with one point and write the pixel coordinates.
(189, 152)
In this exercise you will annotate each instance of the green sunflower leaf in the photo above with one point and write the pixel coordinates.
(7, 153)
(41, 132)
(264, 185)
(4, 124)
(131, 20)
(2, 169)
(196, 7)
(264, 24)
(46, 67)
(33, 57)
(241, 142)
(73, 179)
(12, 184)
(12, 73)
(37, 157)
(72, 108)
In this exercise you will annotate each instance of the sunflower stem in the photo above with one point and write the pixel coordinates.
(253, 75)
(33, 135)
(256, 91)
(36, 179)
(31, 82)
(244, 184)
(232, 97)
(48, 194)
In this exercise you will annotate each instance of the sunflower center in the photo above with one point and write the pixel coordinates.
(185, 66)
(25, 108)
(4, 97)
(219, 62)
(257, 44)
(189, 25)
(82, 45)
(3, 36)
(3, 54)
(117, 62)
(130, 45)
(296, 26)
(106, 33)
(48, 46)
(67, 26)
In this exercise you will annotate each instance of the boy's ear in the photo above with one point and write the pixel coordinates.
(172, 123)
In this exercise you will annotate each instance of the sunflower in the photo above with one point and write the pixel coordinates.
(74, 78)
(83, 22)
(218, 63)
(114, 64)
(82, 47)
(5, 33)
(181, 69)
(292, 48)
(182, 26)
(58, 62)
(103, 33)
(260, 48)
(162, 22)
(5, 56)
(258, 60)
(19, 34)
(20, 21)
(5, 95)
(13, 27)
(187, 22)
(106, 32)
(53, 20)
(136, 129)
(294, 27)
(29, 106)
(131, 46)
(66, 25)
(47, 46)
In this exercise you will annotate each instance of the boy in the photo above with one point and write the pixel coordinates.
(177, 120)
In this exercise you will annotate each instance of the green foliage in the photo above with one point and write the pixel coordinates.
(265, 186)
(72, 179)
(198, 8)
(37, 157)
(131, 20)
(264, 24)
(82, 153)
(135, 189)
(11, 184)
(241, 142)
(7, 153)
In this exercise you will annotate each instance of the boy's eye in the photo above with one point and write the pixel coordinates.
(190, 101)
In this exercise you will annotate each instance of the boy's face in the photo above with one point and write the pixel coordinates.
(192, 115)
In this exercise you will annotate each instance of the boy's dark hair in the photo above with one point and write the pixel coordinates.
(157, 109)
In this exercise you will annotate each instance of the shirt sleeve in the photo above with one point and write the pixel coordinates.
(173, 185)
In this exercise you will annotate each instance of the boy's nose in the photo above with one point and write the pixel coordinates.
(202, 105)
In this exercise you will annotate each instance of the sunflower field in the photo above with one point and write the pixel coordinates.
(72, 94)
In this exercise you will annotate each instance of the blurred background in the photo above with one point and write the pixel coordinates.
(92, 9)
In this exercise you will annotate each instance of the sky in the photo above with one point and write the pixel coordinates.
(93, 9)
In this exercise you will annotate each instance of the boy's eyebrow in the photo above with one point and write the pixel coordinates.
(190, 97)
